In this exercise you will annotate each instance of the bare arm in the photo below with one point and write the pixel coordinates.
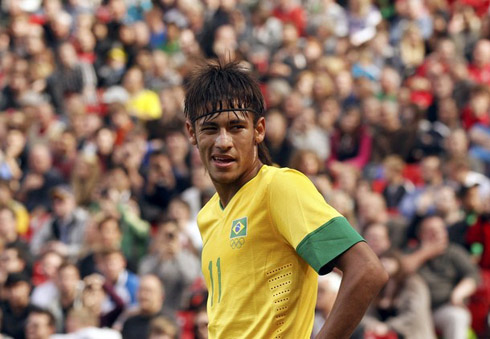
(362, 278)
(463, 290)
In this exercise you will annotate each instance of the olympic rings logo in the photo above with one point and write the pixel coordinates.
(237, 242)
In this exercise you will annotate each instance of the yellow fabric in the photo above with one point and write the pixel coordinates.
(145, 105)
(22, 217)
(259, 287)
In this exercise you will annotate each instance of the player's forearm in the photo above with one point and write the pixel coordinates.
(363, 277)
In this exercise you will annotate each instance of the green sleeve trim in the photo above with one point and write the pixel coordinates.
(327, 242)
(476, 248)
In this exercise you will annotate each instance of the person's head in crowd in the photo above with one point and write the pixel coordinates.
(65, 146)
(67, 55)
(377, 237)
(142, 34)
(144, 61)
(344, 204)
(40, 324)
(481, 53)
(313, 50)
(350, 121)
(118, 180)
(105, 139)
(50, 263)
(370, 107)
(307, 162)
(63, 201)
(372, 208)
(323, 87)
(8, 224)
(6, 193)
(179, 210)
(277, 127)
(168, 240)
(85, 177)
(390, 81)
(160, 169)
(432, 231)
(344, 84)
(177, 146)
(133, 81)
(445, 53)
(68, 281)
(109, 232)
(151, 294)
(13, 259)
(448, 113)
(294, 106)
(431, 170)
(393, 166)
(40, 159)
(479, 101)
(470, 198)
(389, 117)
(93, 294)
(347, 179)
(392, 261)
(85, 42)
(17, 291)
(442, 86)
(201, 321)
(52, 8)
(15, 142)
(225, 42)
(79, 318)
(277, 91)
(111, 263)
(329, 112)
(200, 178)
(328, 288)
(445, 201)
(162, 328)
(117, 9)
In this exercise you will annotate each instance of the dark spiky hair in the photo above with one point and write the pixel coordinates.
(217, 86)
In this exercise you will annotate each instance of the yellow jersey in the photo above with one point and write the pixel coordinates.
(262, 254)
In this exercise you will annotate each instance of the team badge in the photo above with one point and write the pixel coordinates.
(238, 232)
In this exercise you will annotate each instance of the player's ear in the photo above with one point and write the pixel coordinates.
(259, 130)
(190, 132)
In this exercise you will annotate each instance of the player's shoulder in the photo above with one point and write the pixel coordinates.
(284, 176)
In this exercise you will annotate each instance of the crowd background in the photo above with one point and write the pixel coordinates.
(384, 104)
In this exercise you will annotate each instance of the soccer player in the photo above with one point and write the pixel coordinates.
(267, 232)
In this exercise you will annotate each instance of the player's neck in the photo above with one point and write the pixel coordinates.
(227, 191)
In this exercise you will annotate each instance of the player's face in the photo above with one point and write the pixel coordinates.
(227, 144)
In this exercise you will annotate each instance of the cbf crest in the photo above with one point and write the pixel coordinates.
(239, 228)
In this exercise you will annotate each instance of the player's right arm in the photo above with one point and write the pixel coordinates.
(362, 278)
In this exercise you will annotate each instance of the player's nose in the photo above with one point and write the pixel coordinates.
(223, 140)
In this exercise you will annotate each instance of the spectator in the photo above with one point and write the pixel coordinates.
(82, 323)
(450, 275)
(403, 306)
(143, 104)
(175, 265)
(112, 265)
(150, 300)
(16, 306)
(59, 300)
(40, 324)
(64, 231)
(39, 180)
(161, 328)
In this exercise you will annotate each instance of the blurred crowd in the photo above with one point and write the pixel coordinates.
(383, 104)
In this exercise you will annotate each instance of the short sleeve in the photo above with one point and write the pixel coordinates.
(315, 229)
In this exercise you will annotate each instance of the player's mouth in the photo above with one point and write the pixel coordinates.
(222, 161)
